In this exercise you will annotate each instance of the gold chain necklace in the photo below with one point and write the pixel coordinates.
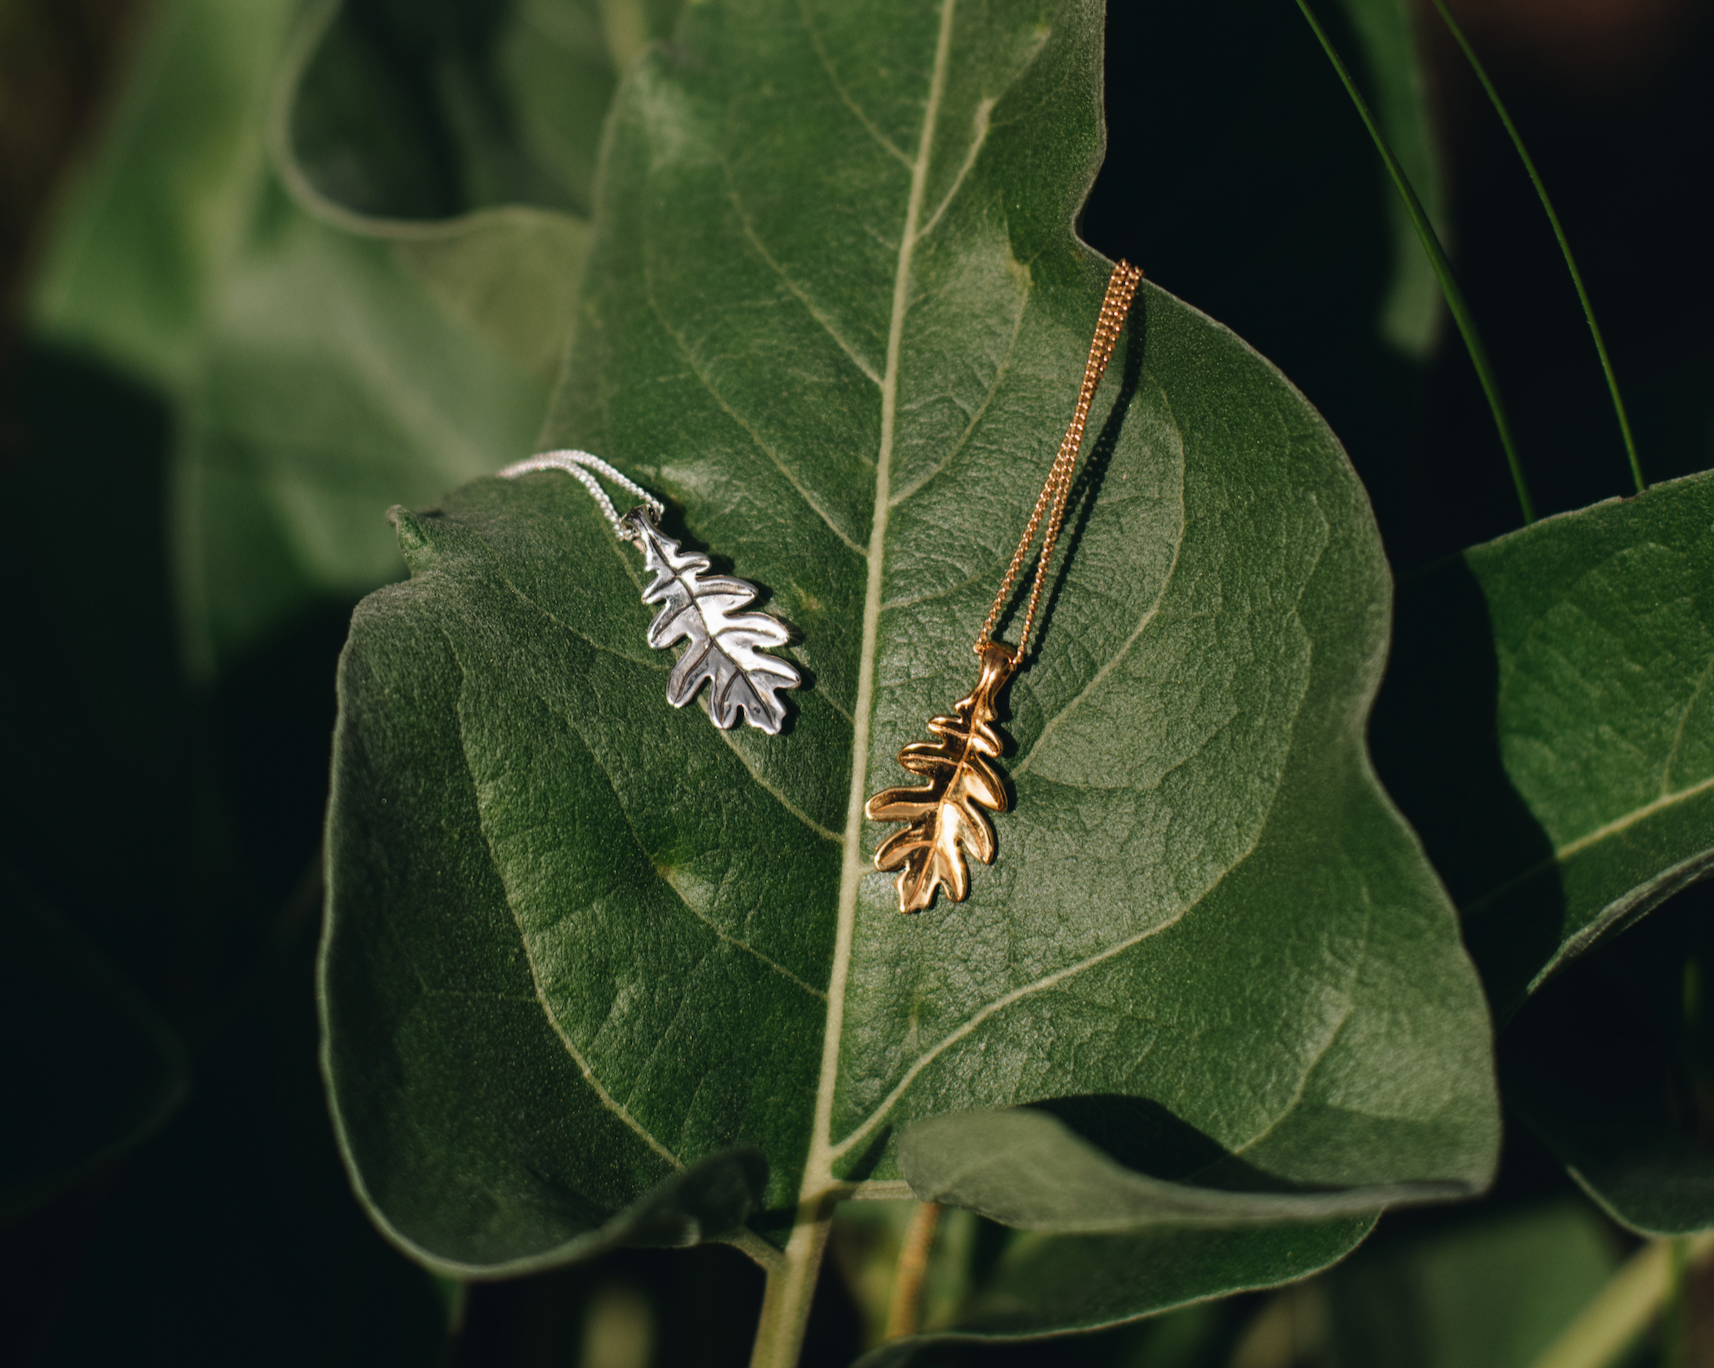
(944, 818)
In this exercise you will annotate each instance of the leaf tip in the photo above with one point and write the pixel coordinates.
(414, 542)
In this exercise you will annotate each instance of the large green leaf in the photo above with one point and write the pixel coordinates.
(834, 314)
(1548, 725)
(315, 379)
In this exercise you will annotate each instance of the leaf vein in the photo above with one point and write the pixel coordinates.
(1683, 721)
(1101, 674)
(1333, 1035)
(798, 292)
(1001, 372)
(814, 826)
(983, 109)
(583, 1067)
(1561, 854)
(999, 1004)
(818, 1167)
(707, 383)
(572, 726)
(839, 86)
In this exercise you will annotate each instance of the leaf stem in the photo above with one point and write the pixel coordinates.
(1455, 301)
(1558, 232)
(904, 1315)
(1675, 1320)
(1624, 1307)
(791, 1288)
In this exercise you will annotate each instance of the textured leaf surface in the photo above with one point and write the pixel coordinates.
(837, 318)
(1549, 725)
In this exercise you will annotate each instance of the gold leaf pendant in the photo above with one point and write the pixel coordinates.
(944, 818)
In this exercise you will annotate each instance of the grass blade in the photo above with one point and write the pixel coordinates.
(1558, 232)
(1455, 301)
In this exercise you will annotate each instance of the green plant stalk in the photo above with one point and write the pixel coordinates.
(1455, 301)
(1558, 232)
(904, 1315)
(791, 1289)
(1675, 1320)
(1621, 1311)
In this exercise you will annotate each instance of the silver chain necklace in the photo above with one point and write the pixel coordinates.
(727, 648)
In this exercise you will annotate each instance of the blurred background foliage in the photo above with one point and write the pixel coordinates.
(269, 269)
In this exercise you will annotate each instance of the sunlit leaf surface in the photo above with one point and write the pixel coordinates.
(835, 316)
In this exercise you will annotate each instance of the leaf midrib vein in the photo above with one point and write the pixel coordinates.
(879, 1112)
(818, 1167)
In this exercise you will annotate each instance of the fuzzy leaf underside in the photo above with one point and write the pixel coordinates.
(834, 314)
(465, 139)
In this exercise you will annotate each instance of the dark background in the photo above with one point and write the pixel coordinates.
(179, 827)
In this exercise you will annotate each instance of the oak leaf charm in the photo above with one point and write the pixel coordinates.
(944, 818)
(726, 647)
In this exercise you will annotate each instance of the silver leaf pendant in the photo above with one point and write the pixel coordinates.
(726, 646)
